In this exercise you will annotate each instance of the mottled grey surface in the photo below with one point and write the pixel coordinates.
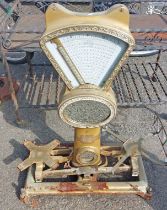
(46, 126)
(87, 111)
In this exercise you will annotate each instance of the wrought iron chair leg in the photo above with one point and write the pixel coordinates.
(30, 69)
(153, 77)
(11, 87)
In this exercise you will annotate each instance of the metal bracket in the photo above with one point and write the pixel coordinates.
(88, 177)
(41, 155)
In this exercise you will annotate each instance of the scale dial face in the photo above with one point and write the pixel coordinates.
(87, 57)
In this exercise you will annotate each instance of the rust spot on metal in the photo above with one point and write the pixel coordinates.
(33, 202)
(5, 92)
(147, 195)
(155, 38)
(52, 188)
(24, 199)
(71, 187)
(64, 187)
(99, 185)
(67, 187)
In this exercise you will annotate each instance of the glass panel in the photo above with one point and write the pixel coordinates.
(63, 65)
(94, 54)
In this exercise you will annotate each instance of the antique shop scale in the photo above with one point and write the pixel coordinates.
(87, 50)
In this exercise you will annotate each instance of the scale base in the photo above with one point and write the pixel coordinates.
(56, 182)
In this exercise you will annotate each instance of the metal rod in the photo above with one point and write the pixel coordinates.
(134, 82)
(49, 89)
(162, 71)
(41, 89)
(155, 91)
(34, 90)
(156, 67)
(120, 89)
(162, 128)
(11, 88)
(76, 171)
(32, 87)
(127, 86)
(157, 78)
(58, 90)
(22, 86)
(116, 91)
(30, 69)
(144, 85)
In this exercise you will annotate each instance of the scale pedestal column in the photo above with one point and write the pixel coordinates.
(86, 147)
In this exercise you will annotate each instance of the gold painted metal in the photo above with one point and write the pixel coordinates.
(87, 92)
(87, 175)
(114, 22)
(86, 147)
(39, 171)
(41, 155)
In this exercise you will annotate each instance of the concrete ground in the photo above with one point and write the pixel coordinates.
(46, 126)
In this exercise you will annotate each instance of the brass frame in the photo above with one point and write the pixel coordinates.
(114, 21)
(45, 188)
(88, 92)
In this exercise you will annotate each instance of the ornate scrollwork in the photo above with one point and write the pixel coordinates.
(159, 9)
(114, 32)
(11, 16)
(134, 7)
(138, 7)
(153, 37)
